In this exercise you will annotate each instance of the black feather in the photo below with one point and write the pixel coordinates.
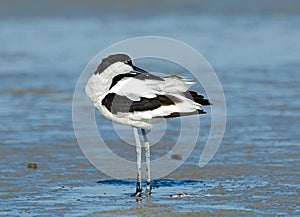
(197, 98)
(116, 103)
(135, 74)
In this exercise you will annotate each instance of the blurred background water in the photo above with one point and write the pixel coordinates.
(252, 45)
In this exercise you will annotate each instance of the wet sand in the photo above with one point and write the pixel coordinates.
(255, 171)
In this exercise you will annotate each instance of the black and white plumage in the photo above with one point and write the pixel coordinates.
(128, 95)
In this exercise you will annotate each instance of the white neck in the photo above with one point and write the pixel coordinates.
(98, 85)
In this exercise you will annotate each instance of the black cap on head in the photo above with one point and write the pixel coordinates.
(106, 62)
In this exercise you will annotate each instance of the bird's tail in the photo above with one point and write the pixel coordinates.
(197, 98)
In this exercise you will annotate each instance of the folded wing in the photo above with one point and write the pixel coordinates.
(146, 96)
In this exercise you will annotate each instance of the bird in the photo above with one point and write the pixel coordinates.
(128, 95)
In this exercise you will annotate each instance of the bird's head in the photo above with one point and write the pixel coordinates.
(119, 63)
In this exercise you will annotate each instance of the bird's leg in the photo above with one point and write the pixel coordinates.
(147, 155)
(138, 191)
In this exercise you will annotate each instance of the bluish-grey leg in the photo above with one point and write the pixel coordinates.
(138, 191)
(147, 155)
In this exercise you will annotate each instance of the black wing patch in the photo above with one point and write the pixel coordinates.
(180, 114)
(135, 74)
(196, 97)
(116, 103)
(118, 78)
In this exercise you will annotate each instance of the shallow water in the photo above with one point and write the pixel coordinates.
(255, 171)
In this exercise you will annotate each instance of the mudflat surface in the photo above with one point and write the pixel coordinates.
(255, 171)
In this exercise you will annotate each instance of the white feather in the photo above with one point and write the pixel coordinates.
(98, 84)
(134, 88)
